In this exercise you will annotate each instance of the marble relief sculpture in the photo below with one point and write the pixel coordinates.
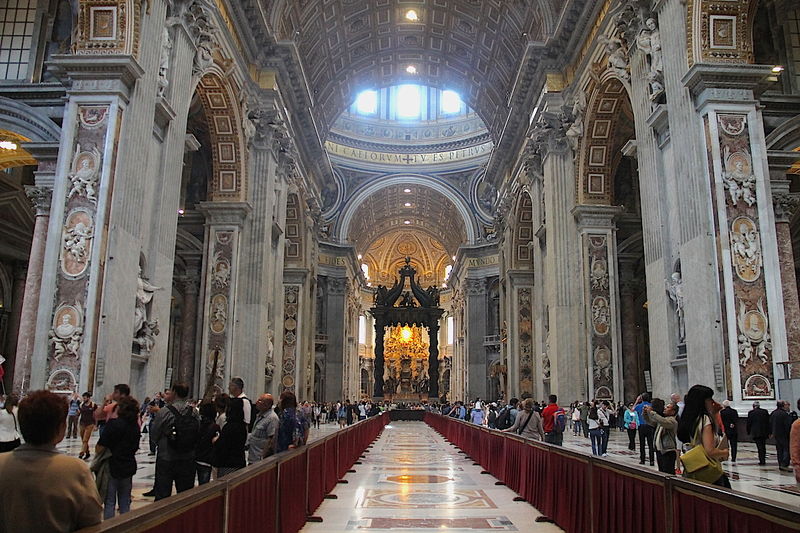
(599, 274)
(754, 339)
(575, 130)
(649, 42)
(617, 57)
(76, 247)
(85, 174)
(675, 291)
(67, 331)
(746, 249)
(739, 179)
(163, 63)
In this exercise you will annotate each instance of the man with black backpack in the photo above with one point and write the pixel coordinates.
(507, 415)
(176, 429)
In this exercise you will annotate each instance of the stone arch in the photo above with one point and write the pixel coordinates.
(609, 121)
(228, 149)
(461, 204)
(720, 32)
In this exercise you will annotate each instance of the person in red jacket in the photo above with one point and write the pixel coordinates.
(551, 435)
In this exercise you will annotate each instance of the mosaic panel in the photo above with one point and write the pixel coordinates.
(426, 499)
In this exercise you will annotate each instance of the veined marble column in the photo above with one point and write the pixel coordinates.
(785, 205)
(41, 198)
(189, 324)
(224, 221)
(475, 312)
(598, 233)
(17, 301)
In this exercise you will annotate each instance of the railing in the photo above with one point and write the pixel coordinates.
(587, 494)
(276, 495)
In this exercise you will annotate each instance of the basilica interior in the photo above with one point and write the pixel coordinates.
(418, 200)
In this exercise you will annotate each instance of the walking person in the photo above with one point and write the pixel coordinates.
(666, 422)
(758, 427)
(72, 416)
(176, 430)
(698, 428)
(9, 425)
(794, 446)
(121, 437)
(584, 410)
(631, 424)
(576, 419)
(552, 418)
(729, 417)
(528, 423)
(781, 426)
(86, 423)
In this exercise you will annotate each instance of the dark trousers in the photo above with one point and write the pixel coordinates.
(666, 461)
(606, 435)
(585, 425)
(203, 474)
(596, 436)
(554, 438)
(646, 433)
(733, 440)
(761, 445)
(180, 471)
(72, 426)
(782, 447)
(631, 439)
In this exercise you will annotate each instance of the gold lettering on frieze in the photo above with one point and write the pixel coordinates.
(410, 159)
(332, 260)
(473, 262)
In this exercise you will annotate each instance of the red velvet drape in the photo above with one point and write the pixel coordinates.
(291, 492)
(692, 514)
(205, 517)
(627, 504)
(316, 477)
(243, 515)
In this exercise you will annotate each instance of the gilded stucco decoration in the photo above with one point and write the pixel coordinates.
(109, 27)
(720, 31)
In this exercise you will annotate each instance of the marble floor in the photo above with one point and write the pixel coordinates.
(745, 474)
(413, 480)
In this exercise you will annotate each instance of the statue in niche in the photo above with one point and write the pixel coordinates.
(163, 62)
(146, 339)
(675, 291)
(142, 326)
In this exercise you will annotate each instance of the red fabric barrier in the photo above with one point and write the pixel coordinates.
(694, 514)
(567, 485)
(331, 474)
(623, 493)
(513, 466)
(242, 514)
(206, 517)
(291, 492)
(316, 477)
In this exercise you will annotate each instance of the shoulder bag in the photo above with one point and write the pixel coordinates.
(697, 464)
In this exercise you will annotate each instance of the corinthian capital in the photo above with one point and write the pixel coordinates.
(785, 205)
(549, 135)
(41, 198)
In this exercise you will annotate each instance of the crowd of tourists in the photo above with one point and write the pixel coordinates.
(690, 435)
(193, 442)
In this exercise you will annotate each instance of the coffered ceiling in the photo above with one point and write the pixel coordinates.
(475, 47)
(429, 213)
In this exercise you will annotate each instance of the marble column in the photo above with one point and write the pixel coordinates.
(188, 344)
(41, 198)
(785, 205)
(379, 361)
(433, 364)
(631, 373)
(17, 299)
(476, 331)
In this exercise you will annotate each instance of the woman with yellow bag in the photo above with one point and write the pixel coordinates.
(698, 428)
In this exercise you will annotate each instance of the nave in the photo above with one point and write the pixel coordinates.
(413, 480)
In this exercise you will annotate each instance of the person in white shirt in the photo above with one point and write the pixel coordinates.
(598, 423)
(9, 425)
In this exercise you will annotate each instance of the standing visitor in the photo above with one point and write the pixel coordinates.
(229, 444)
(528, 423)
(101, 412)
(342, 416)
(631, 424)
(664, 417)
(553, 418)
(794, 446)
(261, 441)
(646, 431)
(204, 451)
(362, 411)
(476, 416)
(42, 489)
(72, 416)
(605, 406)
(176, 430)
(317, 414)
(576, 419)
(729, 417)
(236, 390)
(121, 437)
(598, 422)
(293, 429)
(86, 423)
(780, 426)
(584, 410)
(758, 427)
(698, 428)
(9, 424)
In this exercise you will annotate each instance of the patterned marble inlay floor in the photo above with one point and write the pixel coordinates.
(406, 486)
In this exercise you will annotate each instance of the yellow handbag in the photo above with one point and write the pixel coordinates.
(698, 465)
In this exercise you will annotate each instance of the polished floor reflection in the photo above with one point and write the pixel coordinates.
(413, 480)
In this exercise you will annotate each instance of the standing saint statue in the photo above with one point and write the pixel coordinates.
(675, 290)
(144, 295)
